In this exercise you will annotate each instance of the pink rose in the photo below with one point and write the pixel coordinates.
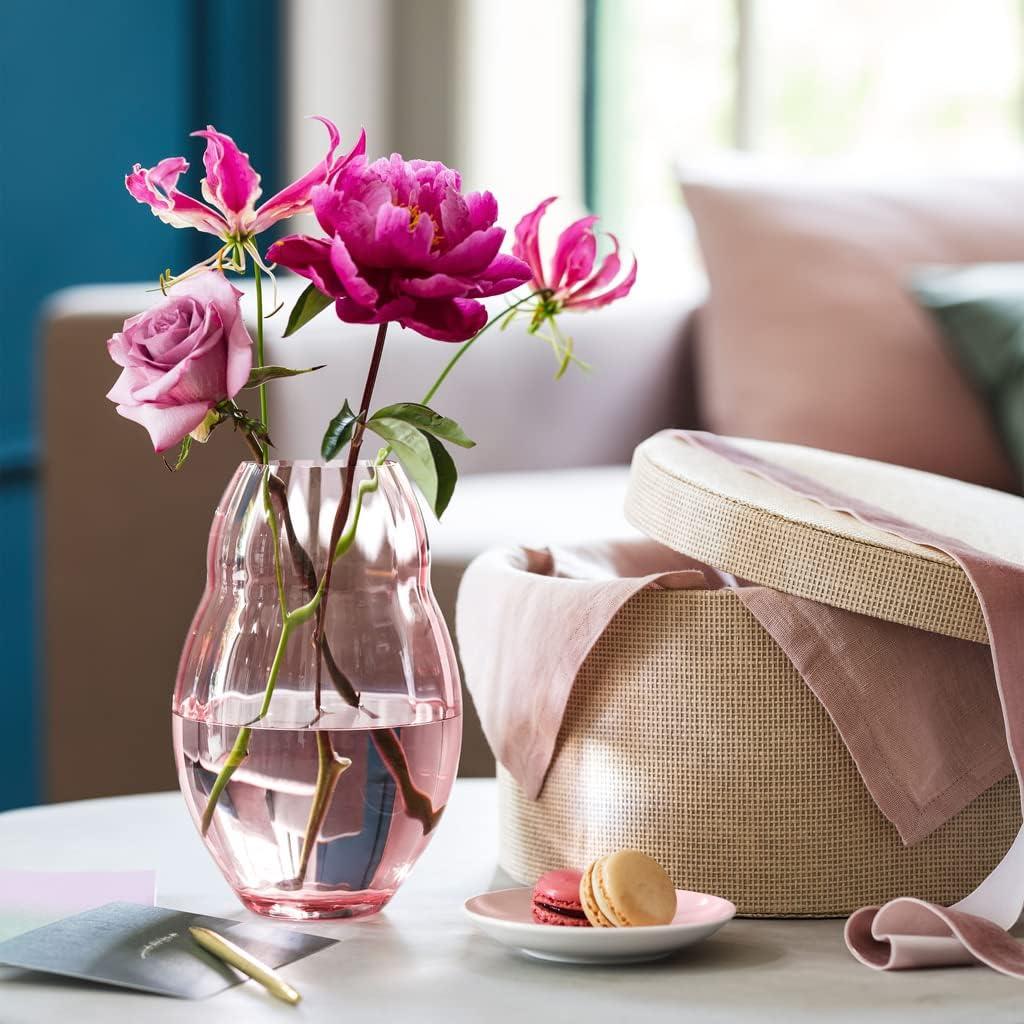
(181, 358)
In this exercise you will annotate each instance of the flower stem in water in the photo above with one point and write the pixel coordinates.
(330, 767)
(417, 803)
(239, 752)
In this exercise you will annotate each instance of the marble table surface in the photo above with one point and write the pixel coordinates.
(421, 961)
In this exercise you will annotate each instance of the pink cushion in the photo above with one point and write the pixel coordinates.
(810, 334)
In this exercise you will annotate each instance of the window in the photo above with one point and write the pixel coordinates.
(672, 81)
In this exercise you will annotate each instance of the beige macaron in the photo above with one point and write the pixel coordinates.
(627, 889)
(589, 902)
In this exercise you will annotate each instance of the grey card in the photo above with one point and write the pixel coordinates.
(151, 950)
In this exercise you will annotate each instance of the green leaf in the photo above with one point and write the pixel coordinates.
(308, 305)
(261, 374)
(425, 419)
(447, 475)
(424, 459)
(338, 433)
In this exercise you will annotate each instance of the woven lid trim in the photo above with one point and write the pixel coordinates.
(854, 568)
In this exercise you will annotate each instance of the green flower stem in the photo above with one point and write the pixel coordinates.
(367, 486)
(433, 390)
(240, 750)
(301, 562)
(349, 535)
(255, 448)
(290, 619)
(467, 345)
(388, 744)
(417, 803)
(345, 505)
(275, 668)
(275, 531)
(264, 419)
(330, 767)
(327, 775)
(563, 349)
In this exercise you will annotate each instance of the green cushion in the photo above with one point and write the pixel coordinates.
(980, 311)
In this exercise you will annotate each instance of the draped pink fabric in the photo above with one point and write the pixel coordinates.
(526, 622)
(907, 932)
(927, 719)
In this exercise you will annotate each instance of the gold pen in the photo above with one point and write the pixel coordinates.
(246, 963)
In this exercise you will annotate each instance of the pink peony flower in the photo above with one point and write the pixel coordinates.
(572, 282)
(404, 244)
(181, 358)
(231, 187)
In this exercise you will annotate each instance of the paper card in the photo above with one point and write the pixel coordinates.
(150, 949)
(30, 899)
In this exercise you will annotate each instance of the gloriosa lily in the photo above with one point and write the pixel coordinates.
(230, 188)
(573, 282)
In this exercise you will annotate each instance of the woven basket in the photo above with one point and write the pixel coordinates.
(690, 735)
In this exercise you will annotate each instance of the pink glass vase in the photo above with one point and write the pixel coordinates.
(347, 767)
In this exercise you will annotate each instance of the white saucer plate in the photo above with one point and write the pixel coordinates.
(506, 916)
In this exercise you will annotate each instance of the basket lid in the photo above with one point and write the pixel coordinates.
(703, 505)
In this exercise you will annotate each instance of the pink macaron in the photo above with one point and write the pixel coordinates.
(556, 899)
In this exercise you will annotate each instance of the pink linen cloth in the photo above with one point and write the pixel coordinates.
(919, 713)
(526, 621)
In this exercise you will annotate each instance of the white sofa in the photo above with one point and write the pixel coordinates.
(125, 540)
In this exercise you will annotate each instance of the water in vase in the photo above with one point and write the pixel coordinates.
(322, 821)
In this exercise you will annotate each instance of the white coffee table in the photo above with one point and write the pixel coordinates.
(420, 961)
